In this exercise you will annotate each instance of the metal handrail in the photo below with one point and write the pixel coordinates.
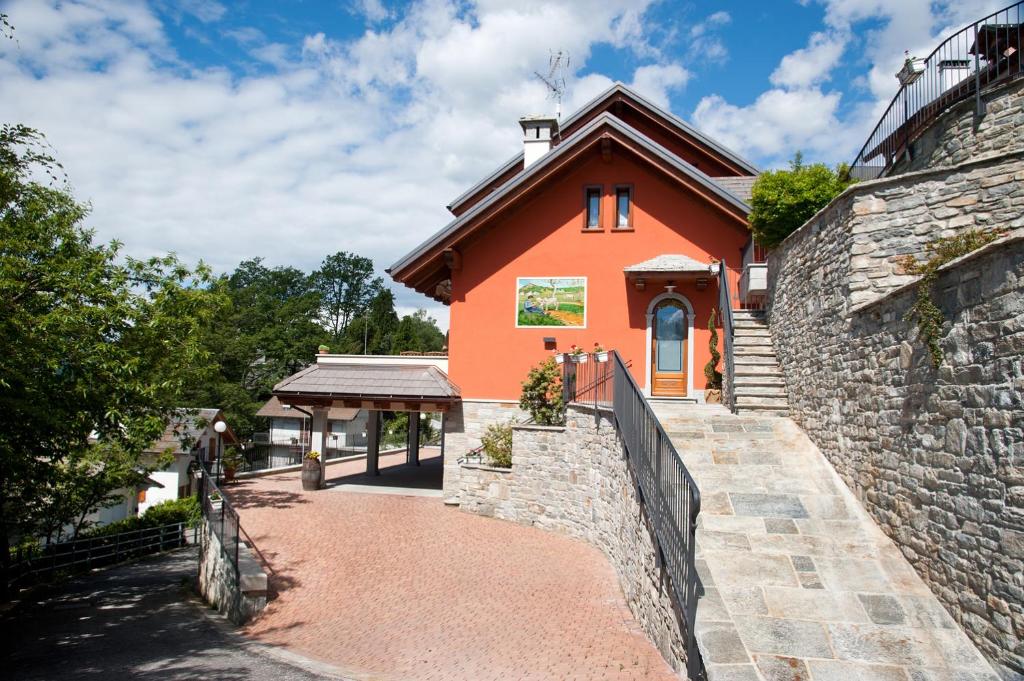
(668, 492)
(725, 313)
(985, 52)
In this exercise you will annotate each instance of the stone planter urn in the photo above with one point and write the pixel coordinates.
(311, 473)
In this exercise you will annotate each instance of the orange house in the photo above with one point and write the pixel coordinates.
(606, 228)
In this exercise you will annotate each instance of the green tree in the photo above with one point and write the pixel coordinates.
(374, 332)
(418, 332)
(346, 285)
(93, 347)
(783, 200)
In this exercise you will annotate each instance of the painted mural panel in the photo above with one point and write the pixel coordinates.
(551, 301)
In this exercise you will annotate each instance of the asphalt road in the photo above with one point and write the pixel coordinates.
(136, 621)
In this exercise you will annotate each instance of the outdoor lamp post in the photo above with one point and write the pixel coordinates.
(220, 427)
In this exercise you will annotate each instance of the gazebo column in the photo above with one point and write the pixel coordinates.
(412, 454)
(321, 428)
(373, 443)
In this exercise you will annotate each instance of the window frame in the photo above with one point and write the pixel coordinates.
(599, 190)
(631, 199)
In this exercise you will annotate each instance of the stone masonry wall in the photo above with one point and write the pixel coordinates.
(238, 599)
(464, 424)
(937, 457)
(959, 135)
(576, 480)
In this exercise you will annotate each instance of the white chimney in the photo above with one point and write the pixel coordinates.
(537, 134)
(952, 71)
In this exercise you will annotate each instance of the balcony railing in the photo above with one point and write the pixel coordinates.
(981, 55)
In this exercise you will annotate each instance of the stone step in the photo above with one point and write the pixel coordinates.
(747, 341)
(749, 322)
(762, 411)
(759, 380)
(747, 390)
(762, 401)
(754, 350)
(743, 360)
(743, 370)
(751, 330)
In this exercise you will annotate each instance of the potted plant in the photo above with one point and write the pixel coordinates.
(323, 349)
(232, 461)
(311, 473)
(713, 386)
(216, 501)
(600, 354)
(912, 69)
(559, 357)
(577, 355)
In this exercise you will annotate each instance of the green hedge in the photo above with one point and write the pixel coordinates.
(165, 513)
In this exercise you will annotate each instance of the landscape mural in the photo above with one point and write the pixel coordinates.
(551, 301)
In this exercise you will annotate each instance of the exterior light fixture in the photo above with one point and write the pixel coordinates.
(702, 283)
(640, 284)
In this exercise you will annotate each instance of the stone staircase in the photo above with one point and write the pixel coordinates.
(759, 387)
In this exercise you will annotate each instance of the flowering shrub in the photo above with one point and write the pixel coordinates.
(542, 394)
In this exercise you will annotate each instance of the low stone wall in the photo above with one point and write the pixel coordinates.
(576, 480)
(464, 424)
(959, 134)
(936, 456)
(239, 599)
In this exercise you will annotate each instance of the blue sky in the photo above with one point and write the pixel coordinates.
(293, 129)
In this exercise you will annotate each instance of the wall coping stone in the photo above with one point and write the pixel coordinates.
(860, 187)
(590, 408)
(485, 467)
(1013, 237)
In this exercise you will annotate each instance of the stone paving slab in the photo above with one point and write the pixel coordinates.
(799, 581)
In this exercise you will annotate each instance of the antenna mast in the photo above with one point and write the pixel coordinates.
(558, 64)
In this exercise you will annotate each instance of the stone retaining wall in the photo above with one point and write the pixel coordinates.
(959, 134)
(937, 457)
(575, 479)
(239, 599)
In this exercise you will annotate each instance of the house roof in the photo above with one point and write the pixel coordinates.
(618, 89)
(188, 424)
(275, 408)
(669, 263)
(605, 123)
(368, 382)
(741, 185)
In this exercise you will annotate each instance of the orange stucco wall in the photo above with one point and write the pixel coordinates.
(490, 357)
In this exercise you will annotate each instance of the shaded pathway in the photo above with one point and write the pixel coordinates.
(401, 587)
(136, 621)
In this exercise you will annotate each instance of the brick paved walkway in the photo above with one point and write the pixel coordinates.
(395, 587)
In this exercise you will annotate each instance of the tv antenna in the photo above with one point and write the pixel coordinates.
(558, 64)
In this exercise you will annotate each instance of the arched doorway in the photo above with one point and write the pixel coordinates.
(669, 352)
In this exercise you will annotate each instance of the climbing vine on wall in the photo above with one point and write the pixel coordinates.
(939, 252)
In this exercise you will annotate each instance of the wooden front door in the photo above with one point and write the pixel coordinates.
(668, 349)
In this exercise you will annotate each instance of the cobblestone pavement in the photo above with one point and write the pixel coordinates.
(400, 587)
(135, 621)
(800, 582)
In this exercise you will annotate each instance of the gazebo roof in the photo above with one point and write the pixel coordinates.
(371, 386)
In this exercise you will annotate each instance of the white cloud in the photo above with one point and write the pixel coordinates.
(373, 10)
(798, 113)
(812, 64)
(705, 42)
(655, 81)
(353, 145)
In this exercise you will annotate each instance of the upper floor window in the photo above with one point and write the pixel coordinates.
(593, 206)
(623, 207)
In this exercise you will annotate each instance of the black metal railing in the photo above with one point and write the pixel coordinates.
(982, 54)
(725, 316)
(221, 518)
(35, 564)
(586, 379)
(668, 492)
